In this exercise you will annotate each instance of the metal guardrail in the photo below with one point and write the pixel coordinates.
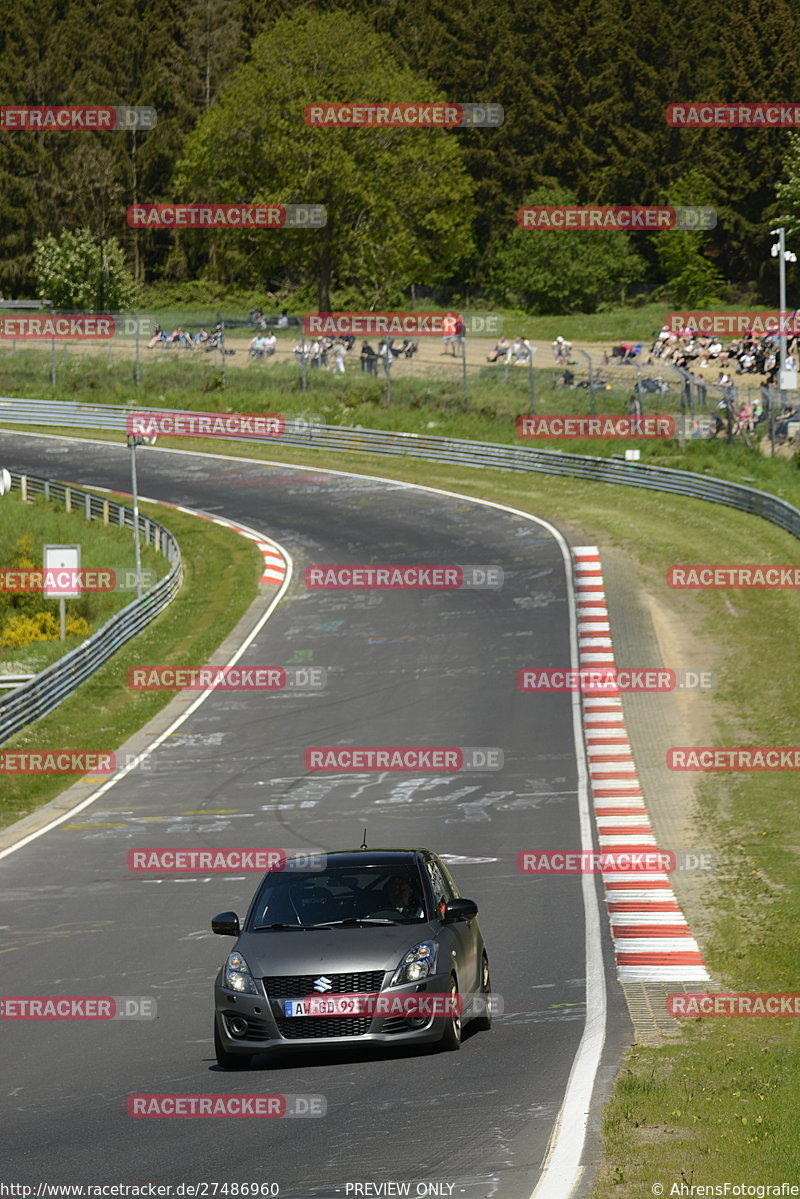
(46, 690)
(491, 455)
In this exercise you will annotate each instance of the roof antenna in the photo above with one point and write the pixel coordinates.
(364, 842)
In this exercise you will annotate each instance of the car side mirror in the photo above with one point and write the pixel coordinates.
(226, 924)
(459, 909)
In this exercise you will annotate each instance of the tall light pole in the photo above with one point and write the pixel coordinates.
(779, 251)
(133, 441)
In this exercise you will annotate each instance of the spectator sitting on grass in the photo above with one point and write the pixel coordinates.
(158, 335)
(502, 347)
(270, 344)
(743, 422)
(788, 414)
(520, 351)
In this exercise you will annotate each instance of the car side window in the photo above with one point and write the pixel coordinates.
(448, 878)
(441, 890)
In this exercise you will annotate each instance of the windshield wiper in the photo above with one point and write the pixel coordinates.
(352, 922)
(260, 927)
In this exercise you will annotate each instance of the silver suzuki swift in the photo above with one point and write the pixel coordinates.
(360, 946)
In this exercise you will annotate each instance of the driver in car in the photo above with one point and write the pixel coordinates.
(401, 894)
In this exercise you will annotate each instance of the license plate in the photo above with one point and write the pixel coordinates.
(334, 1005)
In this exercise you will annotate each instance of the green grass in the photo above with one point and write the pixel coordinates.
(221, 573)
(431, 400)
(102, 547)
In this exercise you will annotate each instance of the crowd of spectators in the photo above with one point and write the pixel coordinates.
(201, 340)
(328, 352)
(748, 354)
(520, 350)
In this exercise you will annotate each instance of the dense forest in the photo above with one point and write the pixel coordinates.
(584, 88)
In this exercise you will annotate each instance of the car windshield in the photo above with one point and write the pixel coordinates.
(340, 896)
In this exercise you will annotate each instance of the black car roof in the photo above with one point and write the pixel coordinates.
(374, 857)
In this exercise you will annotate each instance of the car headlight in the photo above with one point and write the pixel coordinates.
(238, 976)
(418, 963)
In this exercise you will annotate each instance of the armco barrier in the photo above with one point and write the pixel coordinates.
(495, 456)
(46, 690)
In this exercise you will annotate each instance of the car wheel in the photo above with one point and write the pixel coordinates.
(484, 1020)
(451, 1037)
(229, 1061)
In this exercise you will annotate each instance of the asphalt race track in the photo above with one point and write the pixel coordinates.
(404, 668)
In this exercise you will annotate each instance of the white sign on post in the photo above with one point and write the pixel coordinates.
(61, 566)
(61, 578)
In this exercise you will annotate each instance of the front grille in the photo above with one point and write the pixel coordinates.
(292, 1027)
(298, 986)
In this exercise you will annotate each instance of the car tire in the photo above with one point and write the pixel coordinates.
(226, 1060)
(451, 1035)
(484, 1020)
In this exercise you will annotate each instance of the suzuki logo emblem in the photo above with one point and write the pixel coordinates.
(323, 984)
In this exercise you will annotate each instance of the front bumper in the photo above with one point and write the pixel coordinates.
(267, 1028)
